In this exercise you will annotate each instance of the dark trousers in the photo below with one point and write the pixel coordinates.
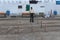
(31, 17)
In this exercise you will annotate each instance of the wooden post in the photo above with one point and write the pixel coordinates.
(41, 23)
(45, 27)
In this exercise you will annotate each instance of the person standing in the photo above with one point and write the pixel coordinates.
(31, 15)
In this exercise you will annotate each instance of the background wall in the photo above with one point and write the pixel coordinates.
(12, 5)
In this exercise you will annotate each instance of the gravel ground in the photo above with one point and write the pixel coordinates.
(22, 29)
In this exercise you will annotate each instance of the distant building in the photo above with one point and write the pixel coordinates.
(16, 7)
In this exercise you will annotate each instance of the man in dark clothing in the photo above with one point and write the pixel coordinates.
(31, 15)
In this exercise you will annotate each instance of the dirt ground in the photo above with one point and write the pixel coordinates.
(22, 29)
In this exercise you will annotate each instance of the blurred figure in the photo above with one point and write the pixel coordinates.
(55, 12)
(31, 15)
(8, 12)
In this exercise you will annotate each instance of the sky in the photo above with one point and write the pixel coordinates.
(57, 0)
